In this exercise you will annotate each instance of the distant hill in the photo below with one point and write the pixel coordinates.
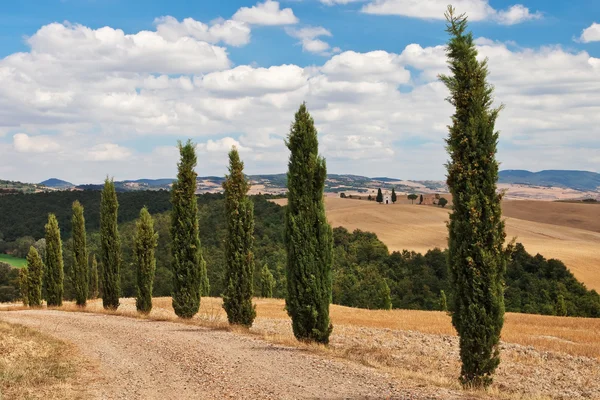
(578, 180)
(56, 183)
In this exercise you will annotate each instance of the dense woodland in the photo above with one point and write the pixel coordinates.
(365, 273)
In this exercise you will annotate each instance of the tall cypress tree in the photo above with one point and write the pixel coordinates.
(394, 197)
(239, 273)
(111, 246)
(35, 269)
(189, 267)
(379, 197)
(54, 275)
(24, 285)
(80, 256)
(266, 282)
(146, 241)
(308, 236)
(94, 290)
(476, 230)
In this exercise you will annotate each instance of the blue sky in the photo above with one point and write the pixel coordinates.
(73, 84)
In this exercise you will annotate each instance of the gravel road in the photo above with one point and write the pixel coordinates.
(142, 359)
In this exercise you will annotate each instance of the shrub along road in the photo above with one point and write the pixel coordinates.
(143, 359)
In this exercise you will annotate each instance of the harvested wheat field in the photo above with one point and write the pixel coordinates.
(566, 231)
(414, 354)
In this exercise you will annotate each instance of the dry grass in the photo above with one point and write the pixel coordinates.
(36, 366)
(566, 231)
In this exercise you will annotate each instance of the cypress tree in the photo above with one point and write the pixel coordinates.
(443, 301)
(561, 306)
(476, 230)
(308, 236)
(80, 256)
(54, 275)
(394, 197)
(189, 267)
(379, 197)
(24, 285)
(239, 272)
(35, 268)
(146, 241)
(266, 282)
(111, 246)
(94, 292)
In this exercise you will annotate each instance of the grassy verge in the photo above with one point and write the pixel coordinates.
(36, 366)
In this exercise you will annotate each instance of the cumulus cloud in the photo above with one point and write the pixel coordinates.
(477, 10)
(367, 107)
(77, 47)
(245, 80)
(233, 33)
(308, 38)
(375, 66)
(267, 13)
(223, 145)
(590, 34)
(34, 144)
(108, 152)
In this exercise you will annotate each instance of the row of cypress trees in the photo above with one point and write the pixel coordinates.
(476, 231)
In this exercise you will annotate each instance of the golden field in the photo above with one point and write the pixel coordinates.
(569, 232)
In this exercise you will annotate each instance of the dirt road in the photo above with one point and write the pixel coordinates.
(142, 359)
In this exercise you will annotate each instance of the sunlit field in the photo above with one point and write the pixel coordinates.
(566, 231)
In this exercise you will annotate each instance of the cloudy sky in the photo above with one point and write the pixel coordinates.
(96, 87)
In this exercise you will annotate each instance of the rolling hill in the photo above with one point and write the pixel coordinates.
(568, 232)
(578, 180)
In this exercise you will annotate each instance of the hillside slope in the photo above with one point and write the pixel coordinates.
(578, 180)
(420, 228)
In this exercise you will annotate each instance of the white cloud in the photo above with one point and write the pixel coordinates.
(76, 47)
(591, 34)
(108, 152)
(334, 2)
(515, 15)
(476, 10)
(234, 33)
(248, 81)
(34, 144)
(223, 145)
(98, 111)
(308, 38)
(267, 13)
(375, 66)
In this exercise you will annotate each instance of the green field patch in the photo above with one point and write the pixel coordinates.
(14, 261)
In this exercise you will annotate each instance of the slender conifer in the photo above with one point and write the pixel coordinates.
(111, 246)
(239, 273)
(35, 269)
(54, 272)
(24, 286)
(267, 282)
(94, 290)
(189, 267)
(146, 241)
(80, 256)
(308, 236)
(476, 230)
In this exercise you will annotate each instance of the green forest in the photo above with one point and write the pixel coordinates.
(365, 273)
